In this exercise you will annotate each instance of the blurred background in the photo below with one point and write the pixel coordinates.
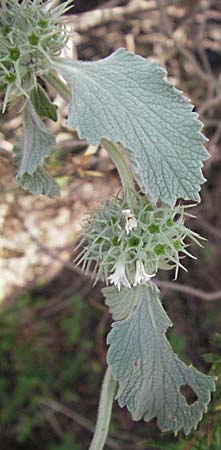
(53, 323)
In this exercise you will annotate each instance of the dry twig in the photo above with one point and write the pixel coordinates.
(101, 16)
(77, 418)
(194, 292)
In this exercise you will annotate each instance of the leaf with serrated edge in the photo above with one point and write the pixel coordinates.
(39, 183)
(36, 142)
(149, 373)
(120, 308)
(127, 99)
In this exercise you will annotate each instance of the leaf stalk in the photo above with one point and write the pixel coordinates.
(121, 165)
(59, 85)
(104, 411)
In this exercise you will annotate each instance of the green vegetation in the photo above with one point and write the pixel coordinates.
(40, 359)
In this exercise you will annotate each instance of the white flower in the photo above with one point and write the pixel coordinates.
(131, 221)
(141, 276)
(119, 276)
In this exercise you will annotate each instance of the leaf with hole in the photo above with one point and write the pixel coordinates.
(127, 99)
(149, 373)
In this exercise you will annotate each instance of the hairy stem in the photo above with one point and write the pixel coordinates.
(121, 165)
(104, 411)
(58, 84)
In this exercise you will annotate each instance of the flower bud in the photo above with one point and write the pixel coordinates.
(31, 34)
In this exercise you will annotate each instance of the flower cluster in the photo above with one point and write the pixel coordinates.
(31, 33)
(126, 243)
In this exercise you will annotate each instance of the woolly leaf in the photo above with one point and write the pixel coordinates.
(36, 143)
(126, 99)
(149, 373)
(40, 182)
(120, 305)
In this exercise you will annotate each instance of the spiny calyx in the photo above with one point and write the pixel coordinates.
(126, 242)
(31, 33)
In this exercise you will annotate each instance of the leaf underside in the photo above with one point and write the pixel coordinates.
(38, 183)
(30, 154)
(149, 373)
(126, 99)
(120, 307)
(36, 143)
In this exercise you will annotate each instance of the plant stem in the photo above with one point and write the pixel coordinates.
(104, 411)
(108, 386)
(121, 165)
(58, 84)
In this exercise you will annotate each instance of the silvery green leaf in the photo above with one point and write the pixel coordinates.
(36, 142)
(149, 373)
(127, 99)
(39, 183)
(120, 305)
